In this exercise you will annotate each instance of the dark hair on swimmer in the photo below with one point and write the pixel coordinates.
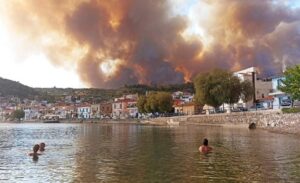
(36, 148)
(205, 142)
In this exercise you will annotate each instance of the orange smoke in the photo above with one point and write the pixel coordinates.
(112, 43)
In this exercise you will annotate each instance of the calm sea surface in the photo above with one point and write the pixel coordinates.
(134, 153)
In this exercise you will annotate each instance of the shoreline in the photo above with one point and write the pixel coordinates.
(272, 122)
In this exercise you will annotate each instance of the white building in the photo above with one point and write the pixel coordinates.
(185, 97)
(84, 111)
(262, 88)
(30, 114)
(132, 108)
(281, 99)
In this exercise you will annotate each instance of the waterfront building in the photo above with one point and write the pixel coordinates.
(31, 114)
(84, 111)
(118, 108)
(262, 87)
(281, 99)
(65, 111)
(190, 108)
(125, 107)
(132, 108)
(95, 111)
(106, 110)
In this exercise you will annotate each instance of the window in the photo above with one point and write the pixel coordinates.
(278, 83)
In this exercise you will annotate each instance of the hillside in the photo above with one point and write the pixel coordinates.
(13, 88)
(98, 95)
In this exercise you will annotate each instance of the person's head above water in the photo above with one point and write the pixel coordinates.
(42, 146)
(205, 142)
(36, 148)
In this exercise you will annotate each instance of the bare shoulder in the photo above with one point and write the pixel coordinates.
(200, 148)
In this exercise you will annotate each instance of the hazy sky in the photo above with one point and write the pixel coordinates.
(102, 43)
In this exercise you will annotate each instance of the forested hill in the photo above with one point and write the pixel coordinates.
(141, 89)
(13, 88)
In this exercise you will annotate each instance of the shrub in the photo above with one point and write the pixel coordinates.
(291, 110)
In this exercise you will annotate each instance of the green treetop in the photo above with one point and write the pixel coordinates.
(155, 102)
(291, 83)
(218, 86)
(18, 114)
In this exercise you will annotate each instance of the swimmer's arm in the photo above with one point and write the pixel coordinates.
(32, 154)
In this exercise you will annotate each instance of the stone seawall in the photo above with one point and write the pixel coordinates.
(271, 119)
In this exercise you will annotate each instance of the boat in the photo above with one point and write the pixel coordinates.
(49, 118)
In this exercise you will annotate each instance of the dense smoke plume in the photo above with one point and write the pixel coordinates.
(117, 42)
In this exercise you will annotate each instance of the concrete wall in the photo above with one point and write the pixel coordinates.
(270, 118)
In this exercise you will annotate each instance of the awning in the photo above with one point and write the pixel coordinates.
(277, 93)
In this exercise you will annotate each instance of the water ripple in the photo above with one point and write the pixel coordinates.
(133, 153)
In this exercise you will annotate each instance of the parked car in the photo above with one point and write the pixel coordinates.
(257, 106)
(235, 110)
(286, 102)
(239, 109)
(242, 109)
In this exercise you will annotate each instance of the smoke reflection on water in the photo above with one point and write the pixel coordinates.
(134, 153)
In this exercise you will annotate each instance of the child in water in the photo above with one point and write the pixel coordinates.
(205, 148)
(35, 151)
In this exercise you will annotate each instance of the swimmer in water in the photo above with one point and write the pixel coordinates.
(205, 148)
(35, 151)
(42, 147)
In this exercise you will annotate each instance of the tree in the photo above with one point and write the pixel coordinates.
(218, 87)
(247, 91)
(161, 102)
(141, 103)
(291, 83)
(151, 105)
(232, 89)
(165, 102)
(210, 88)
(18, 114)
